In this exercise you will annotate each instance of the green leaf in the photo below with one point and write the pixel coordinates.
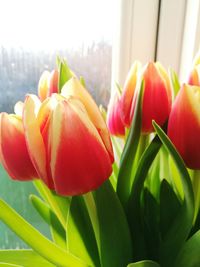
(181, 227)
(57, 231)
(110, 227)
(36, 240)
(82, 81)
(169, 206)
(134, 204)
(117, 146)
(190, 253)
(80, 235)
(3, 264)
(174, 81)
(151, 225)
(64, 74)
(146, 263)
(25, 258)
(59, 205)
(129, 153)
(153, 179)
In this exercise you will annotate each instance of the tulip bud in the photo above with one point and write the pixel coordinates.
(13, 151)
(157, 97)
(184, 125)
(66, 148)
(128, 93)
(114, 121)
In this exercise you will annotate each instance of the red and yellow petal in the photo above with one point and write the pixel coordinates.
(194, 78)
(128, 93)
(74, 88)
(114, 121)
(43, 85)
(53, 82)
(34, 139)
(13, 151)
(79, 159)
(184, 125)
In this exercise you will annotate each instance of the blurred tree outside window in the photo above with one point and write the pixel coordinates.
(32, 34)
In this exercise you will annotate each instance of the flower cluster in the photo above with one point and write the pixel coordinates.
(142, 209)
(183, 116)
(50, 134)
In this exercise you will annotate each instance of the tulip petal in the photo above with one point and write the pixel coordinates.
(128, 93)
(194, 78)
(18, 108)
(53, 82)
(74, 88)
(13, 150)
(43, 85)
(34, 139)
(79, 159)
(114, 121)
(184, 125)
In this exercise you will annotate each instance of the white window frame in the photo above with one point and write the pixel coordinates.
(155, 30)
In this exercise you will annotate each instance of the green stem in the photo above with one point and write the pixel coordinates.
(58, 204)
(36, 240)
(196, 190)
(117, 147)
(164, 165)
(92, 210)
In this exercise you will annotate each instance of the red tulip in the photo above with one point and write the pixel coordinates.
(114, 120)
(184, 125)
(128, 93)
(67, 149)
(13, 151)
(157, 97)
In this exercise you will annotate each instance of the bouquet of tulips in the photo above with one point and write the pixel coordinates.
(128, 198)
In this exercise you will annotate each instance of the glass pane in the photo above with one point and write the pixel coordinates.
(32, 34)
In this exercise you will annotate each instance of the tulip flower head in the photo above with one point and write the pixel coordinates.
(184, 125)
(71, 155)
(157, 97)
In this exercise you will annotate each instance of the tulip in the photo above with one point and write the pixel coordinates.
(128, 93)
(157, 97)
(65, 146)
(184, 125)
(13, 150)
(48, 84)
(114, 120)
